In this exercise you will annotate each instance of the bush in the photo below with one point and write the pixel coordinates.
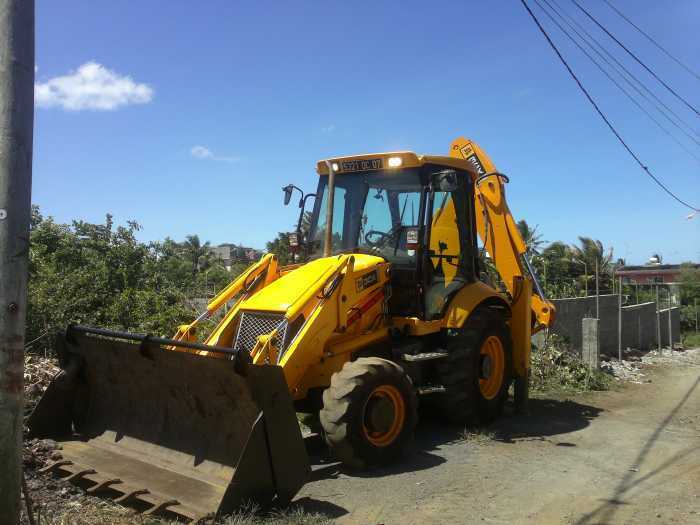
(556, 367)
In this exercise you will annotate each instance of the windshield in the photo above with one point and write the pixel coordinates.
(376, 213)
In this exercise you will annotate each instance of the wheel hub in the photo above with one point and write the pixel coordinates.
(383, 415)
(492, 369)
(379, 414)
(485, 367)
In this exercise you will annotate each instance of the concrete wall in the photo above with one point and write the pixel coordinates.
(638, 327)
(638, 323)
(675, 326)
(571, 311)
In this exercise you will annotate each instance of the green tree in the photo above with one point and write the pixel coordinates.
(199, 255)
(587, 253)
(689, 281)
(532, 239)
(280, 247)
(98, 274)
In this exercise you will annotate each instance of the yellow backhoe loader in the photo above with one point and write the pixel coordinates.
(388, 305)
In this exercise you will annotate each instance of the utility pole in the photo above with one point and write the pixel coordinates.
(696, 315)
(16, 135)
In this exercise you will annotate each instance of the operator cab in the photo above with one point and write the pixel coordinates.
(413, 211)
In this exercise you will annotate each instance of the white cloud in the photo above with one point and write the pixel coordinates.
(200, 152)
(92, 86)
(204, 153)
(328, 129)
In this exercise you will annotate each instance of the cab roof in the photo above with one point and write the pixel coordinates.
(385, 161)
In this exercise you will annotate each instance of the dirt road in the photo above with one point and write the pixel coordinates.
(631, 455)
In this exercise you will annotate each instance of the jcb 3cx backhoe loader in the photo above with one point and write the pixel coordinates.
(390, 308)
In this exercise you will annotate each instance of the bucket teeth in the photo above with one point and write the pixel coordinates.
(132, 494)
(56, 464)
(103, 485)
(79, 474)
(162, 505)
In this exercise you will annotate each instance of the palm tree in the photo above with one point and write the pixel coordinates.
(591, 251)
(532, 239)
(196, 252)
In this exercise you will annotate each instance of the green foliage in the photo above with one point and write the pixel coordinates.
(690, 295)
(280, 247)
(555, 367)
(564, 270)
(532, 239)
(691, 340)
(99, 274)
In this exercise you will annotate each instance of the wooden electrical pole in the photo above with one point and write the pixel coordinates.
(16, 134)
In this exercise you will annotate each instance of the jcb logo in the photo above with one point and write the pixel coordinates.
(474, 161)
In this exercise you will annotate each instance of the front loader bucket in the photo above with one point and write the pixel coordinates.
(170, 431)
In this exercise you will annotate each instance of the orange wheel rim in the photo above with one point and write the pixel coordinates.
(391, 403)
(492, 367)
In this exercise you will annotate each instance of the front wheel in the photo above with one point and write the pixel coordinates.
(369, 412)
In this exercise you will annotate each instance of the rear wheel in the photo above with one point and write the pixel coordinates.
(369, 412)
(477, 372)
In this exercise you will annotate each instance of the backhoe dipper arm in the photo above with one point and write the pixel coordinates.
(498, 231)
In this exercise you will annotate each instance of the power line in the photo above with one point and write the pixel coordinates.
(669, 88)
(631, 75)
(668, 54)
(597, 64)
(599, 111)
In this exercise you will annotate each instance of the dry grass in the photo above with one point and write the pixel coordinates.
(97, 513)
(477, 436)
(290, 516)
(106, 513)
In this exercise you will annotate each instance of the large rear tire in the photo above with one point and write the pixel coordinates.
(478, 370)
(369, 413)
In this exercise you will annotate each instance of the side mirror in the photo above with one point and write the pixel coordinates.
(287, 193)
(445, 181)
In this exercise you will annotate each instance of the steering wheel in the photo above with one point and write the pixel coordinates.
(383, 236)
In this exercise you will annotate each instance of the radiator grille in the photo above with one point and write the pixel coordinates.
(253, 325)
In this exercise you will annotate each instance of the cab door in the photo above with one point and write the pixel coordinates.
(451, 256)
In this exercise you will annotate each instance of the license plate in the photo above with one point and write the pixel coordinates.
(362, 164)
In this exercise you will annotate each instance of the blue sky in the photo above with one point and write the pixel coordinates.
(265, 89)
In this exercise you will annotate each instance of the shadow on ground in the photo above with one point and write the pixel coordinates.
(547, 418)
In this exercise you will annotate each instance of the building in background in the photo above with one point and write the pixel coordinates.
(651, 273)
(232, 254)
(654, 272)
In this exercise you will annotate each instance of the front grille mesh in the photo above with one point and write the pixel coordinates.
(256, 324)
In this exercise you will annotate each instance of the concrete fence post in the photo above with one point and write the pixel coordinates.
(590, 343)
(670, 324)
(658, 320)
(619, 322)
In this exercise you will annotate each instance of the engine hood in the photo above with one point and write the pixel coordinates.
(284, 292)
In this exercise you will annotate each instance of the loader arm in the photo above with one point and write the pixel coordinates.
(250, 280)
(498, 231)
